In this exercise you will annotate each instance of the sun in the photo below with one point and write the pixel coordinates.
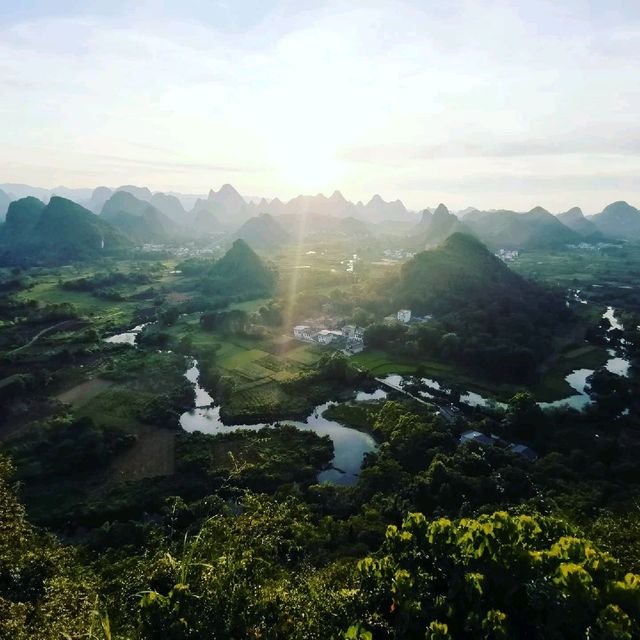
(308, 164)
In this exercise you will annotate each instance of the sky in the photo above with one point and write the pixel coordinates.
(485, 103)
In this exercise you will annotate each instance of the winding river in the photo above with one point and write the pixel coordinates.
(577, 379)
(349, 445)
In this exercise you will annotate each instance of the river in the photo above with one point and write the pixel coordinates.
(577, 379)
(349, 445)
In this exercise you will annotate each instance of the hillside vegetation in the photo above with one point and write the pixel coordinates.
(485, 316)
(60, 231)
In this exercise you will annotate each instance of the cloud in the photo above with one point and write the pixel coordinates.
(397, 95)
(574, 143)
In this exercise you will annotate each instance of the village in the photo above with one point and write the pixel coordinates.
(349, 338)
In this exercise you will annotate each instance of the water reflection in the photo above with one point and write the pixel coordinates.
(128, 337)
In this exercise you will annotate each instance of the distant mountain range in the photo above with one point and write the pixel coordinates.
(618, 220)
(576, 221)
(142, 216)
(536, 229)
(139, 220)
(227, 205)
(435, 227)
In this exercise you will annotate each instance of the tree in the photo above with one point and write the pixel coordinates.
(498, 576)
(524, 417)
(44, 593)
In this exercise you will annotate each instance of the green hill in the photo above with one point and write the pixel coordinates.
(242, 271)
(537, 229)
(576, 221)
(71, 231)
(262, 232)
(494, 319)
(58, 232)
(140, 221)
(435, 228)
(460, 272)
(170, 206)
(202, 220)
(618, 220)
(22, 217)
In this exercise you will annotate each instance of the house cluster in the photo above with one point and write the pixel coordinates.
(349, 338)
(494, 441)
(398, 254)
(181, 252)
(405, 316)
(591, 246)
(507, 255)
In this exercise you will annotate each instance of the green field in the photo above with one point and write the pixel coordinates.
(552, 385)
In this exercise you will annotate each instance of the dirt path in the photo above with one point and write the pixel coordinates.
(65, 324)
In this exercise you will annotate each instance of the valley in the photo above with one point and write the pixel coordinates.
(343, 377)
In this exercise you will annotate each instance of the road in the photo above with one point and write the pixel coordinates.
(65, 324)
(445, 412)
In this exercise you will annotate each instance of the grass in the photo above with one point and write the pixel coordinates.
(553, 385)
(257, 367)
(251, 306)
(115, 407)
(380, 363)
(306, 354)
(241, 357)
(84, 392)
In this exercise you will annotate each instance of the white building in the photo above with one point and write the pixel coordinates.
(326, 336)
(309, 334)
(404, 315)
(299, 331)
(304, 332)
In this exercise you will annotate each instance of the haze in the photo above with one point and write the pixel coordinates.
(490, 104)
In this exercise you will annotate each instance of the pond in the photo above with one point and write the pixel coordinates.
(128, 337)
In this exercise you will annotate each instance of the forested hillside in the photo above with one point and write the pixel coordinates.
(484, 315)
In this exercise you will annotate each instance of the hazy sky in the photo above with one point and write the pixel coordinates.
(505, 103)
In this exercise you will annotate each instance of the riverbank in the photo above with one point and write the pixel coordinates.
(552, 386)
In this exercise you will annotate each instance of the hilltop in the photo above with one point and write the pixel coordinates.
(60, 231)
(536, 229)
(487, 316)
(22, 217)
(436, 227)
(242, 271)
(618, 220)
(137, 219)
(227, 205)
(262, 232)
(460, 272)
(576, 221)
